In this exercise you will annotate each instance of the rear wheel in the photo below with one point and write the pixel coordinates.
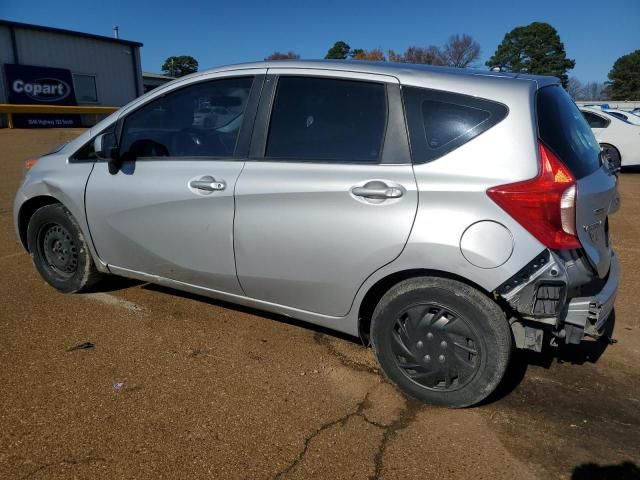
(612, 154)
(59, 250)
(441, 341)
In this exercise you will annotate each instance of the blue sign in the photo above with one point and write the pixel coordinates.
(27, 84)
(32, 85)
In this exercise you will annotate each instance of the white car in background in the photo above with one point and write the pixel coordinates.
(619, 139)
(622, 115)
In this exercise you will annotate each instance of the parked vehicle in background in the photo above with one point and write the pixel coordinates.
(619, 139)
(624, 116)
(490, 232)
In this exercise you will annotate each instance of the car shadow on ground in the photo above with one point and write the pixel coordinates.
(589, 351)
(592, 471)
(251, 311)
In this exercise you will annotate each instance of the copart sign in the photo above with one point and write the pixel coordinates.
(27, 84)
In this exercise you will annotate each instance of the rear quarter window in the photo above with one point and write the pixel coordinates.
(439, 122)
(563, 128)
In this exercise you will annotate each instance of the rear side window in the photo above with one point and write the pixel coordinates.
(563, 129)
(440, 122)
(324, 119)
(595, 121)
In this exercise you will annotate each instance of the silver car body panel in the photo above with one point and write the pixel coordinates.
(306, 211)
(150, 220)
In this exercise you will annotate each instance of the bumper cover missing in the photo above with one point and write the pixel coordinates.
(589, 315)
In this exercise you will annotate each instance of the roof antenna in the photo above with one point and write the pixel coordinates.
(116, 32)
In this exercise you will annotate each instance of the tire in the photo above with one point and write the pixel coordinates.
(59, 250)
(612, 154)
(441, 341)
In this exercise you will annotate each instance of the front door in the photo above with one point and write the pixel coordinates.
(329, 196)
(169, 210)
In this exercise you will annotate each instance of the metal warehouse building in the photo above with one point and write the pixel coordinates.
(51, 66)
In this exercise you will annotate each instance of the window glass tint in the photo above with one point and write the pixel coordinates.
(562, 127)
(201, 120)
(595, 121)
(85, 88)
(327, 120)
(440, 122)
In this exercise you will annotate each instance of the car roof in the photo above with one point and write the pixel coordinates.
(387, 68)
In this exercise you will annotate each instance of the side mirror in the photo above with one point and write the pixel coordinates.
(106, 147)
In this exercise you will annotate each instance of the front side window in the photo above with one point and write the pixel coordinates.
(85, 88)
(200, 120)
(327, 120)
(440, 122)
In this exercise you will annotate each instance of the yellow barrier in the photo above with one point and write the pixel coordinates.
(10, 109)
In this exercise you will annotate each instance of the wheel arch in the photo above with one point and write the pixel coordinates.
(379, 288)
(27, 210)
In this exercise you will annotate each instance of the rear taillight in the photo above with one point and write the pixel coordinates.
(544, 205)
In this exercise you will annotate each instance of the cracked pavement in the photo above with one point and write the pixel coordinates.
(179, 386)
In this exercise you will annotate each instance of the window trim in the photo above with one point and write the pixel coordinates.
(394, 148)
(95, 84)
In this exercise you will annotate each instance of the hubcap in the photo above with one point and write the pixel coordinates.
(435, 347)
(59, 250)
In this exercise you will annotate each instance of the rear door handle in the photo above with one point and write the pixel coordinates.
(377, 192)
(208, 184)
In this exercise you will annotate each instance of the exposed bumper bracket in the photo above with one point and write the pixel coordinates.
(589, 315)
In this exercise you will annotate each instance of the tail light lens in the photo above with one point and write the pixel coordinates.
(544, 205)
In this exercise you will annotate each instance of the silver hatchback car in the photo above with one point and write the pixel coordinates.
(445, 216)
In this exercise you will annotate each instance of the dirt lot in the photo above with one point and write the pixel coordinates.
(179, 386)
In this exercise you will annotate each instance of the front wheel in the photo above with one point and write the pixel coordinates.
(59, 249)
(441, 341)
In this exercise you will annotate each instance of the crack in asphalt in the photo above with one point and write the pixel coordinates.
(324, 340)
(65, 461)
(403, 421)
(340, 421)
(389, 431)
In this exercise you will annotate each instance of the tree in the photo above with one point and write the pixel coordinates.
(428, 56)
(339, 51)
(375, 55)
(460, 51)
(594, 91)
(624, 77)
(283, 56)
(534, 49)
(586, 91)
(180, 66)
(575, 88)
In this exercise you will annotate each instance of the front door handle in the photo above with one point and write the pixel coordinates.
(379, 191)
(208, 184)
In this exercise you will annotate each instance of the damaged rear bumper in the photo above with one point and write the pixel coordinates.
(562, 296)
(589, 315)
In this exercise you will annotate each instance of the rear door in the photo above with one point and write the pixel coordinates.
(328, 195)
(563, 128)
(169, 210)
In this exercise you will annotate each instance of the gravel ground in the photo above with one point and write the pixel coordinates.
(179, 386)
